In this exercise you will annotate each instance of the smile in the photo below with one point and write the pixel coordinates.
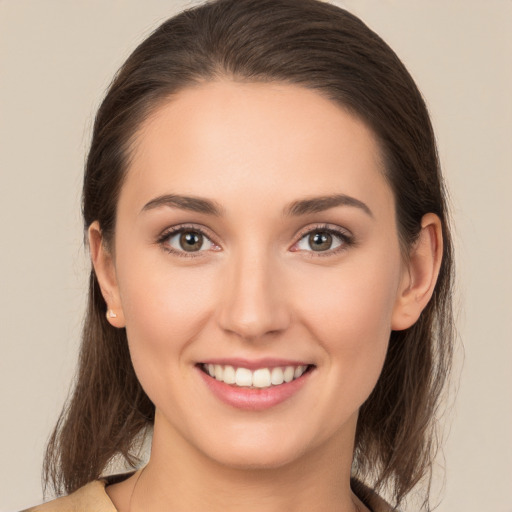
(265, 384)
(259, 378)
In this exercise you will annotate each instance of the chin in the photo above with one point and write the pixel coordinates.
(257, 453)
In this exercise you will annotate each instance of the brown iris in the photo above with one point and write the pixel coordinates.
(191, 241)
(320, 241)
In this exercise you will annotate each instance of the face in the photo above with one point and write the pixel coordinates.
(256, 243)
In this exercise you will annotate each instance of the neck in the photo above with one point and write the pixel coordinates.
(179, 477)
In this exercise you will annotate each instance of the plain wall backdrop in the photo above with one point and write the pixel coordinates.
(56, 60)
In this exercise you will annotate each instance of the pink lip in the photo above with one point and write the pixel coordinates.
(253, 399)
(254, 364)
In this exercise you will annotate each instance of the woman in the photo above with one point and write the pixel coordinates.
(271, 279)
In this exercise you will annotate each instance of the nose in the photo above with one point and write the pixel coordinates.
(253, 301)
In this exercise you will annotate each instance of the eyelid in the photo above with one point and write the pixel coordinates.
(344, 234)
(180, 228)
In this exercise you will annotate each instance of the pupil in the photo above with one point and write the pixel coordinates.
(191, 241)
(320, 241)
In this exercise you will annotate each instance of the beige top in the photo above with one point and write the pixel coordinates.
(93, 498)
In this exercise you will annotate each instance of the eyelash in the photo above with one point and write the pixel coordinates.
(168, 233)
(346, 239)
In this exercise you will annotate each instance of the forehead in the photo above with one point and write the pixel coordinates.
(268, 140)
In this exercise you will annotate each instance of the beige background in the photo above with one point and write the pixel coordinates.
(56, 59)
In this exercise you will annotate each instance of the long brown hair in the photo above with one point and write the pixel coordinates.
(320, 47)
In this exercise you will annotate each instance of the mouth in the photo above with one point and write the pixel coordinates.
(256, 384)
(257, 378)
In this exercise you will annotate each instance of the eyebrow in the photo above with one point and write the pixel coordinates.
(295, 209)
(190, 203)
(322, 203)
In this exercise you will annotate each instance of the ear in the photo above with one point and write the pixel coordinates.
(103, 263)
(420, 274)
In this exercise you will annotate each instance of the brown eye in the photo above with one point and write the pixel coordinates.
(191, 241)
(320, 241)
(188, 240)
(323, 240)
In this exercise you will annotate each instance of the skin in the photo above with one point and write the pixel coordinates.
(258, 290)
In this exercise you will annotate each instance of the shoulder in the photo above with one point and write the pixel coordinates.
(89, 498)
(93, 498)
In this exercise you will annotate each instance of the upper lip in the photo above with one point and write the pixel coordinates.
(254, 364)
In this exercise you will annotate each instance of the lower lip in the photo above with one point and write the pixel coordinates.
(253, 399)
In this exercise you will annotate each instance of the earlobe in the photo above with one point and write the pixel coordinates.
(104, 268)
(420, 275)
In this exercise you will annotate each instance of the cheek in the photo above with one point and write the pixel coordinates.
(164, 310)
(349, 312)
(163, 303)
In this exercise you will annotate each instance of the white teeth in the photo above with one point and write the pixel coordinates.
(277, 376)
(219, 372)
(260, 378)
(229, 375)
(243, 377)
(299, 371)
(288, 373)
